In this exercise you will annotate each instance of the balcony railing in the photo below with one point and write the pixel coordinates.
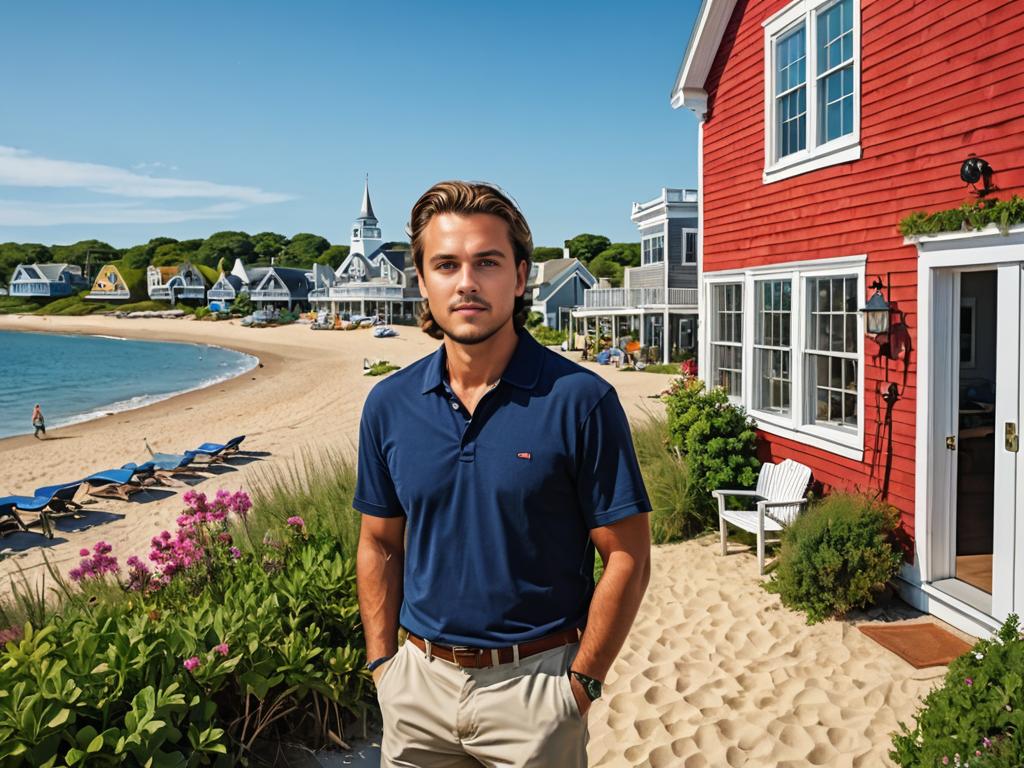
(37, 288)
(271, 294)
(221, 293)
(357, 292)
(109, 295)
(624, 298)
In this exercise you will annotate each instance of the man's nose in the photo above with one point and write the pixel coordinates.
(468, 279)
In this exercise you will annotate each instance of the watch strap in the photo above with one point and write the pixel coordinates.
(591, 686)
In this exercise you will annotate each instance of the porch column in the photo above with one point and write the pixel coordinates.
(665, 338)
(642, 324)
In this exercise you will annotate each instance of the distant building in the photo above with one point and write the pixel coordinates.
(181, 283)
(555, 286)
(110, 285)
(375, 278)
(46, 281)
(658, 300)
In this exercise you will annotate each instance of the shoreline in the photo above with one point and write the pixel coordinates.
(267, 363)
(102, 412)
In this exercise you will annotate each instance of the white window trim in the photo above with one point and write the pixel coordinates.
(846, 443)
(710, 304)
(841, 150)
(696, 249)
(644, 240)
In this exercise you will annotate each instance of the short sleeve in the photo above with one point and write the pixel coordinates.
(375, 490)
(608, 479)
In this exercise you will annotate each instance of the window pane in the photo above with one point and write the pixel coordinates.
(831, 374)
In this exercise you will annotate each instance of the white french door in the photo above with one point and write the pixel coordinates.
(977, 466)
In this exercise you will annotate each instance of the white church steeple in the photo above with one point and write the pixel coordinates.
(365, 232)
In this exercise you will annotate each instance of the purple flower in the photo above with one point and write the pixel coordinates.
(945, 760)
(235, 552)
(296, 521)
(192, 663)
(222, 649)
(968, 681)
(95, 565)
(986, 742)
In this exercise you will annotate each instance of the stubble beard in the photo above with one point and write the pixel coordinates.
(472, 335)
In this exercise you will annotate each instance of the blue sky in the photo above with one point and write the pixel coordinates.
(125, 121)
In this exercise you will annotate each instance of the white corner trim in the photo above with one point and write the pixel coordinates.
(845, 449)
(708, 29)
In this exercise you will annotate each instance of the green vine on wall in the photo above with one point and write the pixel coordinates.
(973, 215)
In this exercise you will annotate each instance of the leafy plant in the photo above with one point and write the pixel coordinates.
(976, 718)
(203, 313)
(242, 305)
(717, 438)
(837, 556)
(975, 215)
(547, 336)
(381, 367)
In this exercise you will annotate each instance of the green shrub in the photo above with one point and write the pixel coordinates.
(259, 642)
(675, 512)
(534, 319)
(286, 316)
(549, 337)
(976, 717)
(381, 367)
(837, 556)
(242, 305)
(202, 313)
(976, 214)
(672, 368)
(18, 305)
(717, 438)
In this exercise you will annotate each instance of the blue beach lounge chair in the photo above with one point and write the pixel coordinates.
(116, 483)
(212, 452)
(164, 467)
(49, 500)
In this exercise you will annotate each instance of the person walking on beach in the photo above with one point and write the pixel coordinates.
(37, 421)
(488, 474)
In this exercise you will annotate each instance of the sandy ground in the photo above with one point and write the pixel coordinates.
(715, 671)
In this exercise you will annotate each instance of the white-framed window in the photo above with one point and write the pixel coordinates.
(812, 87)
(772, 345)
(653, 249)
(689, 246)
(727, 337)
(831, 347)
(797, 332)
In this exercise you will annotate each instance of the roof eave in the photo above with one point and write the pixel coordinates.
(688, 91)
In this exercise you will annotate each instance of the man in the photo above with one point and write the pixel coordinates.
(37, 421)
(488, 473)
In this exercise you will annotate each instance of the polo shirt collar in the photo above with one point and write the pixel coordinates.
(523, 369)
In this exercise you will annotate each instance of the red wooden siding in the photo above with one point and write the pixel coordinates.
(939, 80)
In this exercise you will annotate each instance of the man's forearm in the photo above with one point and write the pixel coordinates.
(612, 610)
(379, 585)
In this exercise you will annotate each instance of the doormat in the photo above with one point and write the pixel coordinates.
(922, 644)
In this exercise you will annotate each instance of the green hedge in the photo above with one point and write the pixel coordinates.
(837, 556)
(975, 215)
(976, 718)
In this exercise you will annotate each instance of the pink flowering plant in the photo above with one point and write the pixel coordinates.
(215, 642)
(976, 718)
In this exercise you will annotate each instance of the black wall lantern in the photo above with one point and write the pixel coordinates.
(975, 169)
(877, 311)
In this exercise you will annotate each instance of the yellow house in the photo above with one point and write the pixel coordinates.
(109, 285)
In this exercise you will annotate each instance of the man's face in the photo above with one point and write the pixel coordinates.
(470, 277)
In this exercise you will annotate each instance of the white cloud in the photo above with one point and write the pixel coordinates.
(20, 213)
(21, 168)
(155, 166)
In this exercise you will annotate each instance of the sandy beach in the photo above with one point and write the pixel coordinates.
(715, 671)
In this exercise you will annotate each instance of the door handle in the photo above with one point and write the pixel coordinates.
(950, 442)
(1011, 439)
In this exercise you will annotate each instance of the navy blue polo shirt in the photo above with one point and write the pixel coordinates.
(499, 506)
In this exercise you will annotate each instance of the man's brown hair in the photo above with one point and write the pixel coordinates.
(465, 198)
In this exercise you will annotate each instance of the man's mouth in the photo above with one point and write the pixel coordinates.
(469, 309)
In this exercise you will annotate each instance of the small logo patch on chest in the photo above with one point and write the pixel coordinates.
(524, 455)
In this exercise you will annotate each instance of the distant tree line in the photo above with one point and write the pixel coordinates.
(601, 256)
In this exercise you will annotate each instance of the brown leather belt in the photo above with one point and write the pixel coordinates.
(478, 658)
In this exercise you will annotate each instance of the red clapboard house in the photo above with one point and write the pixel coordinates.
(822, 124)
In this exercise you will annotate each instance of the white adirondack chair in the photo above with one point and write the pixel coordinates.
(780, 496)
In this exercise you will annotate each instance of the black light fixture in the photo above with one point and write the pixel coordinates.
(877, 311)
(975, 169)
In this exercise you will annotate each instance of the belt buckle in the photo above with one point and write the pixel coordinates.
(465, 649)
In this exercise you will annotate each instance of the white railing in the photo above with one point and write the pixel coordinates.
(358, 292)
(33, 288)
(271, 294)
(105, 295)
(621, 298)
(221, 293)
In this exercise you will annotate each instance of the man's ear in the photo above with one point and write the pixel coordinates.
(522, 272)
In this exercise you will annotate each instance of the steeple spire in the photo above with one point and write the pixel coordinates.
(366, 212)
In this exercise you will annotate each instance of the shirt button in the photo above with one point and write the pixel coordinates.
(455, 406)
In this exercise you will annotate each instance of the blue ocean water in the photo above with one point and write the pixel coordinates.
(77, 378)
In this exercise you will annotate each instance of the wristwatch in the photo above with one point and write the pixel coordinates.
(591, 687)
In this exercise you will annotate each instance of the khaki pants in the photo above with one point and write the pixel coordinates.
(439, 715)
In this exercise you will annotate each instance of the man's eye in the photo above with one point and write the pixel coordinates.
(488, 263)
(446, 265)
